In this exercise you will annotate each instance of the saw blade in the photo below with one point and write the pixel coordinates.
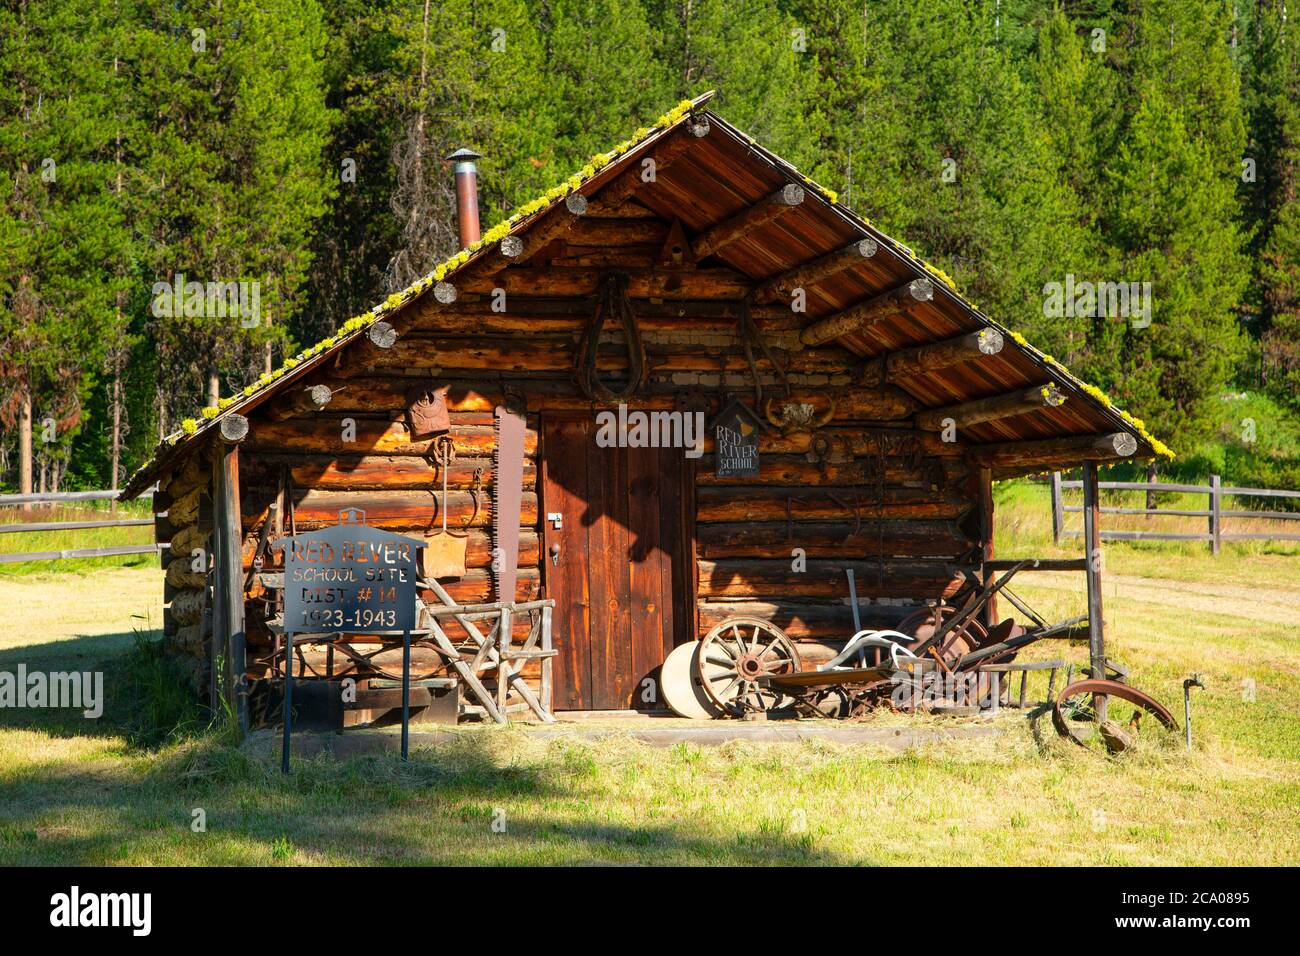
(507, 499)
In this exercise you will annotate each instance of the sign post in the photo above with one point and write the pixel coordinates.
(349, 579)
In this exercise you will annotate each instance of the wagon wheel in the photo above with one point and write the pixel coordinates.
(1075, 717)
(735, 655)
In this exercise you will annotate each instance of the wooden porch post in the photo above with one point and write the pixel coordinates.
(228, 566)
(985, 479)
(1092, 539)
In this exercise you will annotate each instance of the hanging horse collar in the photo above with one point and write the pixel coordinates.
(611, 301)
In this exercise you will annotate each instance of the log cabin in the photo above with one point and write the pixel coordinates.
(690, 271)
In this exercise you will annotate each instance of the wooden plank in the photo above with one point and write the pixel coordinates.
(564, 491)
(228, 577)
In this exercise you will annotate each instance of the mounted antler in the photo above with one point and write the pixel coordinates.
(798, 416)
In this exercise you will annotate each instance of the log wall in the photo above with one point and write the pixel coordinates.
(892, 503)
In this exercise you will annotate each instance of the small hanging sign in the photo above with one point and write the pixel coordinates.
(736, 431)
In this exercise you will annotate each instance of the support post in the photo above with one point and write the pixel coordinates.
(1216, 514)
(1092, 539)
(228, 571)
(288, 702)
(1058, 511)
(406, 696)
(985, 493)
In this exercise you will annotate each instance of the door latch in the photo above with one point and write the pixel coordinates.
(556, 519)
(555, 554)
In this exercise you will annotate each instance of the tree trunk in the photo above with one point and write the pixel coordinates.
(25, 445)
(214, 388)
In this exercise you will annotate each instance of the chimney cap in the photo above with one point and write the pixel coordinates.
(464, 155)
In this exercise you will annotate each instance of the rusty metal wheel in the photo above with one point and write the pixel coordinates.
(736, 655)
(1074, 714)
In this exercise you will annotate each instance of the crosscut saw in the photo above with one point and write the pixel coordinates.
(507, 499)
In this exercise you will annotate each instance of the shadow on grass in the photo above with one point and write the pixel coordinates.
(146, 697)
(438, 809)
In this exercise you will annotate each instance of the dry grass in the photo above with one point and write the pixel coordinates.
(84, 795)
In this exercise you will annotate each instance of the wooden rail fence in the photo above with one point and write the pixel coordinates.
(66, 497)
(1214, 514)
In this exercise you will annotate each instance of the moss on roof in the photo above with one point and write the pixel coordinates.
(353, 326)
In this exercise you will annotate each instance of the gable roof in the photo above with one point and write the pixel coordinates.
(714, 178)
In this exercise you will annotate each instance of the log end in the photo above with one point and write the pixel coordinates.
(1051, 396)
(791, 194)
(445, 293)
(319, 395)
(866, 248)
(382, 335)
(576, 203)
(922, 289)
(1125, 444)
(233, 428)
(990, 341)
(512, 247)
(698, 126)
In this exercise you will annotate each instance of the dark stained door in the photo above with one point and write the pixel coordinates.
(618, 579)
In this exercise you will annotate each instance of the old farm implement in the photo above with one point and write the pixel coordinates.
(747, 667)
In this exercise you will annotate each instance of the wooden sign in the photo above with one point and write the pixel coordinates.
(736, 431)
(350, 579)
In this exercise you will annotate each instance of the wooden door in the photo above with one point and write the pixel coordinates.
(618, 579)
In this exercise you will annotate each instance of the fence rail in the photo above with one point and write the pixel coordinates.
(67, 497)
(1214, 513)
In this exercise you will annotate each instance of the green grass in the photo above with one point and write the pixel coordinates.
(126, 790)
(37, 541)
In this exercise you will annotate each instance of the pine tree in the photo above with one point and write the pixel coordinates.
(61, 225)
(1173, 215)
(237, 175)
(1273, 195)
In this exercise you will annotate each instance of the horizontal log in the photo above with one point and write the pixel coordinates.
(191, 474)
(813, 271)
(896, 578)
(737, 227)
(803, 620)
(187, 606)
(858, 441)
(531, 313)
(813, 504)
(920, 360)
(300, 401)
(376, 472)
(900, 538)
(185, 509)
(180, 576)
(450, 356)
(797, 472)
(714, 283)
(864, 314)
(373, 436)
(990, 409)
(407, 511)
(1051, 451)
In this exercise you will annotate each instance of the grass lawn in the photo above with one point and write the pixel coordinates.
(105, 792)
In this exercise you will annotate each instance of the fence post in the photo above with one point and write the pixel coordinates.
(1216, 516)
(1058, 514)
